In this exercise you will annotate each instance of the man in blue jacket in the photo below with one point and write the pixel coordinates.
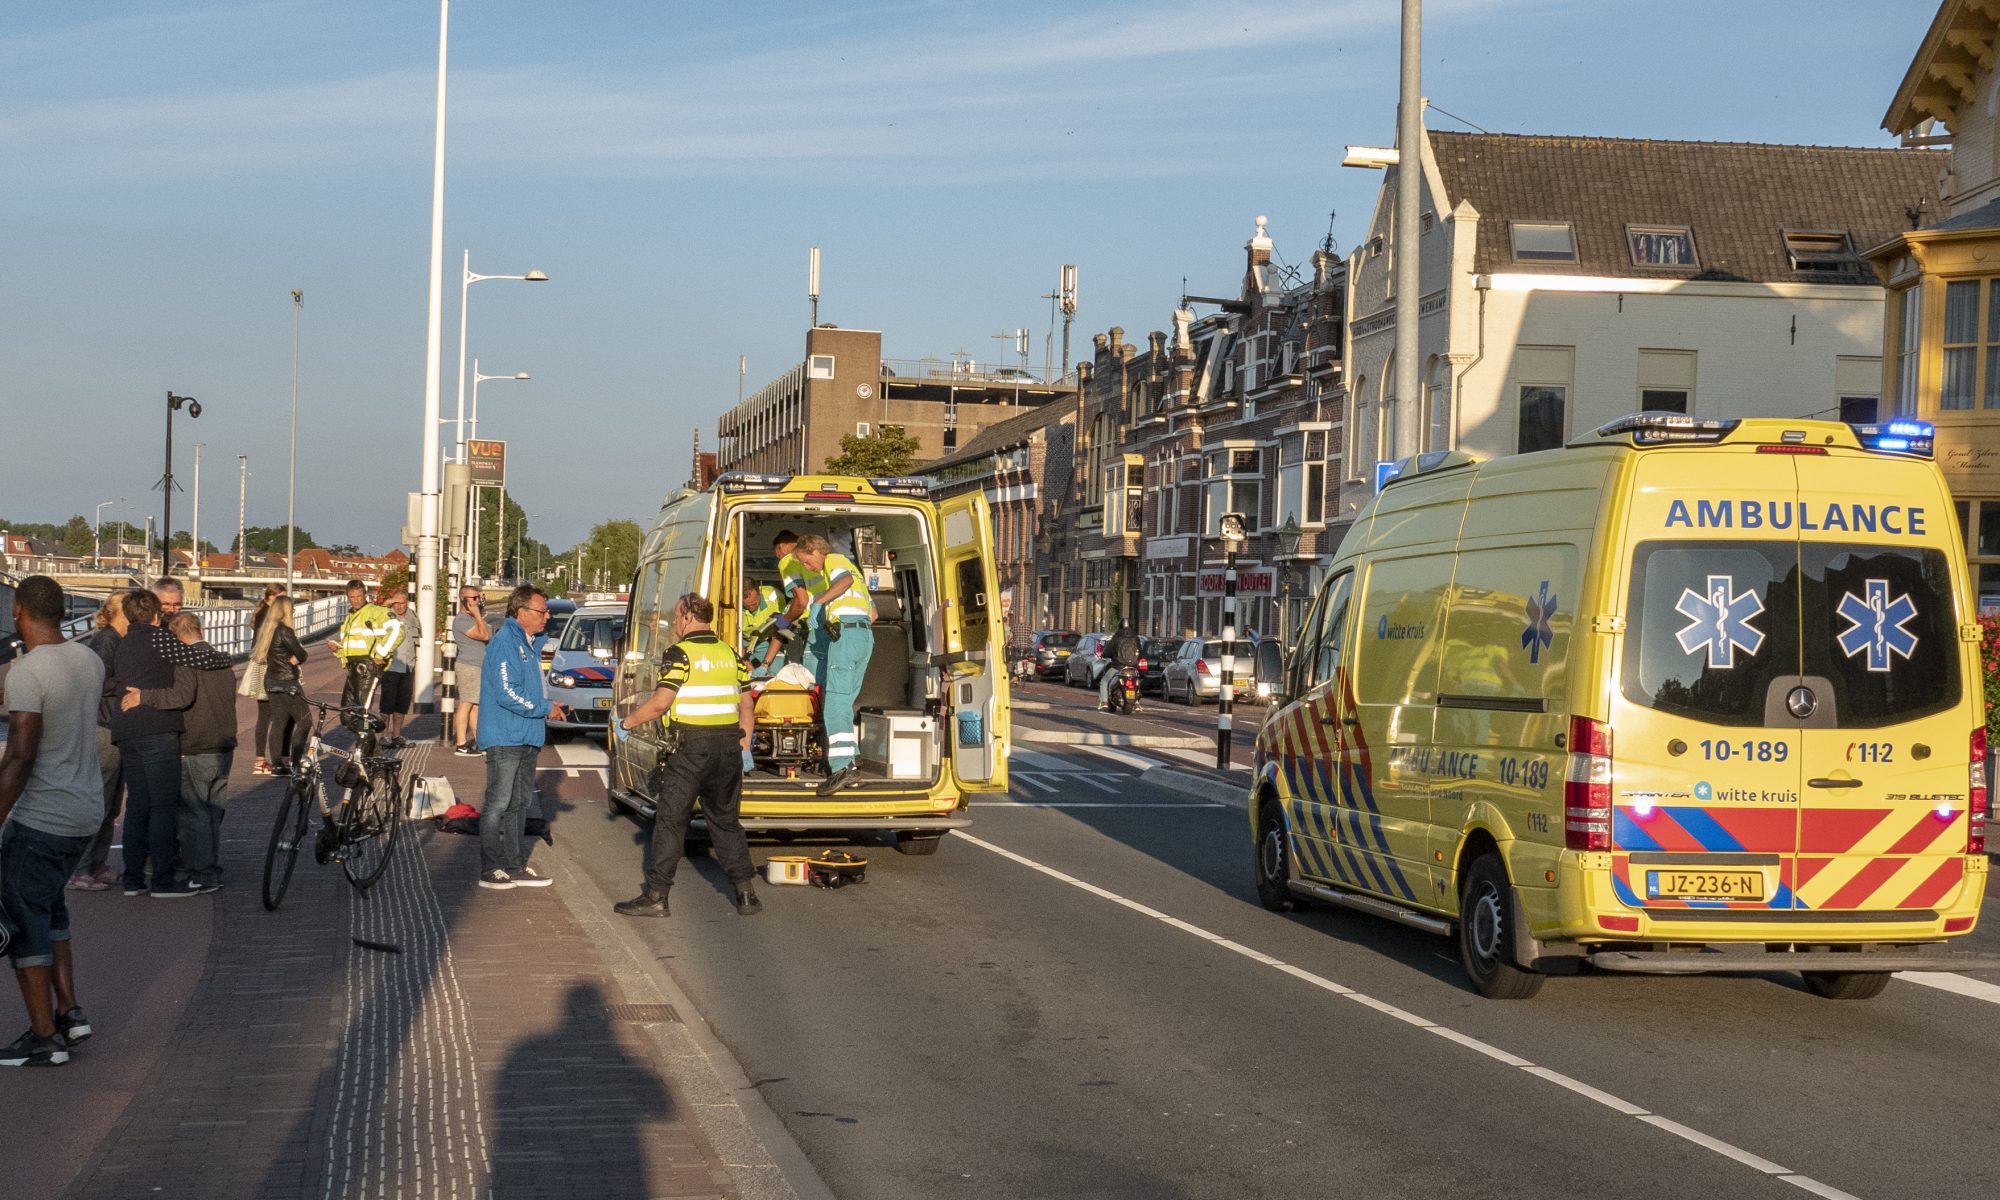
(515, 696)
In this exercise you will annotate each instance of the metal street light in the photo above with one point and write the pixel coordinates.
(292, 487)
(469, 278)
(174, 404)
(1232, 541)
(1288, 550)
(97, 533)
(471, 526)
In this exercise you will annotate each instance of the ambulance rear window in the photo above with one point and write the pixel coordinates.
(1880, 623)
(1712, 626)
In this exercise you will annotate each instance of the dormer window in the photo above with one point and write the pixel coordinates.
(1661, 246)
(1821, 250)
(1544, 241)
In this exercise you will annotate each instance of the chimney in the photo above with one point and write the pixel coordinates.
(1183, 341)
(1259, 244)
(1158, 342)
(1117, 337)
(1098, 340)
(1323, 265)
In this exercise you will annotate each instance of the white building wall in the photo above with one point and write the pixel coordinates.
(1975, 159)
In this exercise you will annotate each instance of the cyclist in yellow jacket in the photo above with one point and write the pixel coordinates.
(367, 641)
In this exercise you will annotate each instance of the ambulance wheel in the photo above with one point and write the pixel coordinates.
(917, 845)
(1485, 910)
(1846, 985)
(1273, 859)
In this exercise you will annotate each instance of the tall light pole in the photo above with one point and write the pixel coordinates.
(1409, 213)
(292, 483)
(1233, 534)
(242, 510)
(97, 532)
(425, 683)
(472, 531)
(174, 404)
(467, 279)
(194, 526)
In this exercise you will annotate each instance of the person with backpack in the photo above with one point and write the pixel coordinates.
(1121, 651)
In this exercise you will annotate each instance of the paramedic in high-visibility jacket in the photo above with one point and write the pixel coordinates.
(703, 699)
(761, 606)
(846, 641)
(367, 640)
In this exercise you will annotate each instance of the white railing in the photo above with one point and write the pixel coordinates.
(229, 629)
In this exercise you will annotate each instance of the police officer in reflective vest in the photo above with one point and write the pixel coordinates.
(762, 605)
(846, 641)
(367, 640)
(708, 714)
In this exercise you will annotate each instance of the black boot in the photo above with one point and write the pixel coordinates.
(747, 903)
(648, 903)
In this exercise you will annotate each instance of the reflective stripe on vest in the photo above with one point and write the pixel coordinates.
(850, 604)
(710, 697)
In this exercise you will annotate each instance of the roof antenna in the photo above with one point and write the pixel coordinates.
(1329, 244)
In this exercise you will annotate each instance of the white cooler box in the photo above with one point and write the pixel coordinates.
(899, 744)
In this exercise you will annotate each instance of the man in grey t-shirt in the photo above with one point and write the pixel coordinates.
(51, 803)
(469, 633)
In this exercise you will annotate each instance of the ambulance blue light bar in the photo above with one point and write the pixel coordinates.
(1427, 463)
(747, 481)
(902, 485)
(1900, 436)
(1662, 428)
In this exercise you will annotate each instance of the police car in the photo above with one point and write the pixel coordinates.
(1683, 696)
(584, 662)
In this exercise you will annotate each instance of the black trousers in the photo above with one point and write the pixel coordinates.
(359, 689)
(708, 767)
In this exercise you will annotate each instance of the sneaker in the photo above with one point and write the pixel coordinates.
(74, 1027)
(278, 769)
(260, 767)
(496, 879)
(839, 779)
(205, 888)
(468, 750)
(646, 904)
(529, 877)
(177, 889)
(747, 903)
(135, 889)
(31, 1049)
(81, 882)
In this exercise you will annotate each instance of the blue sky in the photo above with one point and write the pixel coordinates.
(173, 170)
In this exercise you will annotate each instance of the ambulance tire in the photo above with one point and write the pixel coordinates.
(1486, 906)
(1271, 862)
(917, 845)
(1847, 985)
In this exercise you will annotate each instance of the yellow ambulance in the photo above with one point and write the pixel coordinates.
(932, 715)
(1683, 696)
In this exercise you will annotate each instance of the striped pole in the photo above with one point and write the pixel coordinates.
(1223, 717)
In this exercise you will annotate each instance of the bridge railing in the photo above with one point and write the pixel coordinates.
(229, 629)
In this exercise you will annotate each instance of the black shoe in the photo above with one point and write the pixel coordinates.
(648, 903)
(324, 844)
(73, 1026)
(747, 903)
(839, 779)
(468, 750)
(31, 1049)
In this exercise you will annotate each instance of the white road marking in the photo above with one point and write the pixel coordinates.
(1625, 1107)
(1043, 762)
(1945, 981)
(1122, 757)
(1197, 758)
(1102, 785)
(1029, 779)
(582, 754)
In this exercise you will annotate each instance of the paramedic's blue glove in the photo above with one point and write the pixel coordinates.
(749, 762)
(782, 623)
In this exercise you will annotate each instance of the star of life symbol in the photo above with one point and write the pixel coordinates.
(1538, 637)
(1878, 624)
(1720, 621)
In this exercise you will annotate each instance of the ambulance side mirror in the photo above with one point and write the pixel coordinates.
(1271, 668)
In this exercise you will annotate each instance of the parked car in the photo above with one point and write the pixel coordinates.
(1153, 656)
(585, 659)
(560, 611)
(1051, 649)
(1194, 674)
(1081, 669)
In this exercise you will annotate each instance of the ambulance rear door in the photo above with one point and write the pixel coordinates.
(1886, 762)
(973, 658)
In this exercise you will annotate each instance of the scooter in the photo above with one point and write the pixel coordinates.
(1125, 692)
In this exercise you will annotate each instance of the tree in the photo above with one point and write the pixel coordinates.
(609, 557)
(887, 451)
(345, 550)
(77, 535)
(270, 539)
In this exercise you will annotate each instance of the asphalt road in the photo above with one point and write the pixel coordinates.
(1082, 998)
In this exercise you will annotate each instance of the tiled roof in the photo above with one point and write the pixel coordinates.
(1010, 432)
(1736, 197)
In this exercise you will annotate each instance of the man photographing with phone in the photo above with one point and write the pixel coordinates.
(470, 633)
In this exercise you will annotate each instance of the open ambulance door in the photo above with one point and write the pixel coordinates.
(974, 658)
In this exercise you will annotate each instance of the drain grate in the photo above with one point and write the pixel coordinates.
(642, 1012)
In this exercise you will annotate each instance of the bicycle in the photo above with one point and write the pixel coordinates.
(361, 834)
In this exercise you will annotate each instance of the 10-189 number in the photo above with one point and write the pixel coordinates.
(1749, 751)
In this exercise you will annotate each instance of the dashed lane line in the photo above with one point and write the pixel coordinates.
(1606, 1099)
(1962, 985)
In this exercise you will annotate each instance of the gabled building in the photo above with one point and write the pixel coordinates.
(1942, 318)
(1570, 280)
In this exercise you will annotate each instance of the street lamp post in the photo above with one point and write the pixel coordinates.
(97, 533)
(427, 518)
(1232, 541)
(467, 279)
(167, 478)
(292, 486)
(1288, 550)
(472, 531)
(194, 526)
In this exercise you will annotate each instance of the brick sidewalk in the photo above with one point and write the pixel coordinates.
(487, 1057)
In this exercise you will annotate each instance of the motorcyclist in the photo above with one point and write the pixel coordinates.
(1122, 651)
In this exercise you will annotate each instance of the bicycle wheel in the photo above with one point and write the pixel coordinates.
(288, 833)
(368, 835)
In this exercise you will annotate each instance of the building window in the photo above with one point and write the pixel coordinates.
(1661, 246)
(1908, 303)
(819, 366)
(1315, 480)
(1245, 462)
(1971, 361)
(1666, 381)
(1821, 251)
(951, 437)
(861, 429)
(1542, 416)
(1859, 410)
(1544, 241)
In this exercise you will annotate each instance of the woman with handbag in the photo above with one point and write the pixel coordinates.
(252, 683)
(278, 653)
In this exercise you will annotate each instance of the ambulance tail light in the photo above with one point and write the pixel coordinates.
(1587, 786)
(1976, 802)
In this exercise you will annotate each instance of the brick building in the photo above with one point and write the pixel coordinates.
(844, 386)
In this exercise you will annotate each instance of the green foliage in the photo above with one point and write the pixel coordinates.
(518, 557)
(345, 549)
(77, 535)
(608, 558)
(270, 539)
(887, 451)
